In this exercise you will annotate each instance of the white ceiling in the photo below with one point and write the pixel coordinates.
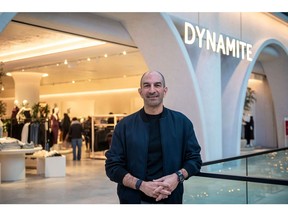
(45, 57)
(37, 50)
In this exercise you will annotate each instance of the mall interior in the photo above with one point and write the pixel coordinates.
(221, 69)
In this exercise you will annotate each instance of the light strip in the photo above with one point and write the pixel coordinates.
(52, 48)
(89, 93)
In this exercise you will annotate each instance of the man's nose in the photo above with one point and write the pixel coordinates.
(152, 89)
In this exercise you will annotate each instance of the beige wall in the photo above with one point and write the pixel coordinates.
(91, 98)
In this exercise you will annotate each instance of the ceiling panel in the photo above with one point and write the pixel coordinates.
(87, 63)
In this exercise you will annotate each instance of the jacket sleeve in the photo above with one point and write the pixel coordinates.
(115, 163)
(192, 158)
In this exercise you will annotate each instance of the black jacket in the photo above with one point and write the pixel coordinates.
(75, 130)
(129, 149)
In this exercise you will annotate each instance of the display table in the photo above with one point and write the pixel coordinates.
(13, 163)
(52, 166)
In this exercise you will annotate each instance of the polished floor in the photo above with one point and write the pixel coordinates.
(85, 183)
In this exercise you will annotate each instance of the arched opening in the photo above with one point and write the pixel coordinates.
(267, 81)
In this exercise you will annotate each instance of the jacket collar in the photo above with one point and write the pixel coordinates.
(144, 116)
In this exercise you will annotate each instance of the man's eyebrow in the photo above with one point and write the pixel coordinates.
(159, 82)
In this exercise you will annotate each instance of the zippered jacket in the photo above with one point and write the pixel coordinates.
(129, 151)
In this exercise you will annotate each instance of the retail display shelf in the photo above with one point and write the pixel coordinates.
(52, 166)
(13, 163)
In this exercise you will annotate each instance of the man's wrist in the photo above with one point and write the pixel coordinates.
(185, 173)
(180, 176)
(138, 184)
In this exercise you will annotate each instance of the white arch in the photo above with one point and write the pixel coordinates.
(233, 99)
(169, 55)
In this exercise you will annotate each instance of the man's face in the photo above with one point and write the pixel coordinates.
(152, 90)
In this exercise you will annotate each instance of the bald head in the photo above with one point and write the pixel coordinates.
(149, 72)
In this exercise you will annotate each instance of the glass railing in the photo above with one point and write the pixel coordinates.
(260, 178)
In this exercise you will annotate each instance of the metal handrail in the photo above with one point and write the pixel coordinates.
(244, 178)
(243, 156)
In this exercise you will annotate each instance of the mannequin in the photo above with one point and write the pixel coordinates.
(54, 122)
(65, 125)
(14, 129)
(24, 119)
(249, 131)
(24, 114)
(15, 111)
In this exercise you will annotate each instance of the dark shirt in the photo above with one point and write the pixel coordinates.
(76, 130)
(154, 161)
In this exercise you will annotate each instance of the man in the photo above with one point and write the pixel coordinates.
(153, 150)
(75, 132)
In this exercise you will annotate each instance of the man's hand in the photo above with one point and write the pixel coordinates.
(171, 181)
(155, 189)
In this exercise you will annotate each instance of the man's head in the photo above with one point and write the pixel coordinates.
(152, 89)
(163, 79)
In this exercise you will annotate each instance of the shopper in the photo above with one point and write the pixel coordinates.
(153, 150)
(87, 132)
(75, 132)
(249, 131)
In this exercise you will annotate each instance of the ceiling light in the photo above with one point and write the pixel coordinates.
(111, 91)
(45, 75)
(105, 55)
(124, 52)
(50, 48)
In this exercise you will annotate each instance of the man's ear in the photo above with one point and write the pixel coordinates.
(140, 91)
(165, 90)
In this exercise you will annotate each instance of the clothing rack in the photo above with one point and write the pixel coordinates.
(102, 128)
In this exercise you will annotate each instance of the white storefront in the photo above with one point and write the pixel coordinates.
(209, 87)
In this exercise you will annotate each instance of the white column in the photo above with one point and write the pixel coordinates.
(27, 86)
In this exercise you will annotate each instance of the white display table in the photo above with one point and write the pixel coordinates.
(13, 163)
(52, 166)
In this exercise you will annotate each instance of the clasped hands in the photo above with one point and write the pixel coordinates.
(160, 188)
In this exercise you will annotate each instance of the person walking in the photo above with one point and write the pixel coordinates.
(153, 150)
(75, 132)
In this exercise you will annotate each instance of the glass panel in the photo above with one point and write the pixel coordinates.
(267, 194)
(201, 190)
(237, 167)
(272, 165)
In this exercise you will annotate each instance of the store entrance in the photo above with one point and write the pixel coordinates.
(84, 76)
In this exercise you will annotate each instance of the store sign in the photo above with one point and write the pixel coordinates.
(220, 43)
